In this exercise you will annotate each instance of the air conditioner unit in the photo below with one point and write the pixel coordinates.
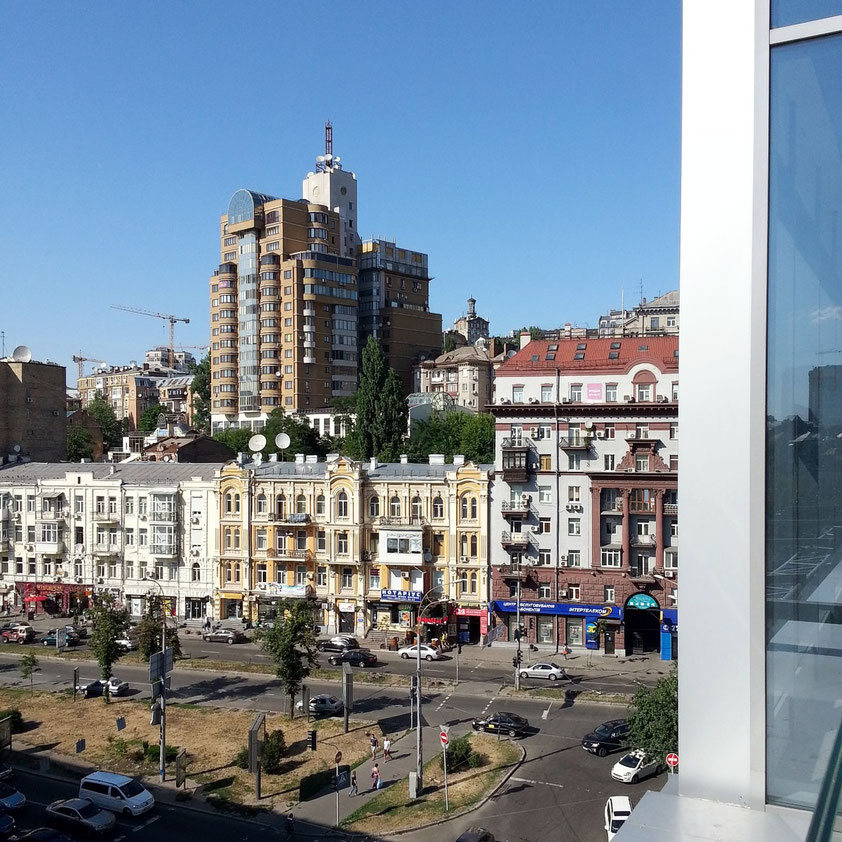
(562, 593)
(100, 581)
(628, 398)
(669, 573)
(524, 499)
(142, 517)
(195, 551)
(600, 434)
(535, 433)
(632, 435)
(16, 516)
(78, 579)
(533, 400)
(77, 516)
(663, 399)
(565, 400)
(194, 519)
(504, 400)
(28, 547)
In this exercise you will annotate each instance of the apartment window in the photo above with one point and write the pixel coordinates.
(321, 576)
(30, 533)
(19, 566)
(608, 431)
(260, 504)
(573, 492)
(608, 461)
(321, 541)
(374, 579)
(673, 462)
(544, 558)
(395, 506)
(674, 391)
(608, 593)
(30, 565)
(574, 461)
(300, 539)
(544, 591)
(347, 578)
(574, 558)
(30, 503)
(438, 508)
(142, 537)
(574, 526)
(574, 593)
(671, 560)
(545, 431)
(544, 525)
(611, 392)
(546, 394)
(517, 394)
(545, 494)
(301, 504)
(575, 391)
(262, 540)
(610, 558)
(641, 463)
(262, 573)
(300, 574)
(644, 391)
(673, 431)
(342, 505)
(342, 543)
(129, 504)
(546, 462)
(374, 506)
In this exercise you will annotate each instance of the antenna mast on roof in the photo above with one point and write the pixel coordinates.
(328, 139)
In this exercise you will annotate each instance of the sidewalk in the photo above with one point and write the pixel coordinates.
(312, 815)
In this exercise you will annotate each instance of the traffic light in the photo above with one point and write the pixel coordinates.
(517, 633)
(531, 622)
(519, 657)
(514, 661)
(311, 737)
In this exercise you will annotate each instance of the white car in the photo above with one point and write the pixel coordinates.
(548, 670)
(127, 643)
(617, 810)
(116, 686)
(635, 766)
(428, 653)
(323, 705)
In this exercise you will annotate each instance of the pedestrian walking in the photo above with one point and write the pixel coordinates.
(353, 791)
(387, 748)
(375, 777)
(372, 741)
(565, 651)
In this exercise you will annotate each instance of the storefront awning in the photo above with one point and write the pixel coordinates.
(229, 595)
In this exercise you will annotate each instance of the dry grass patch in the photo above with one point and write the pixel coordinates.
(392, 811)
(211, 736)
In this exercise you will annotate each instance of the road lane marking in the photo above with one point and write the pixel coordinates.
(145, 824)
(541, 783)
(444, 701)
(546, 713)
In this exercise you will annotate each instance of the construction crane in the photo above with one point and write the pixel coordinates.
(165, 316)
(80, 359)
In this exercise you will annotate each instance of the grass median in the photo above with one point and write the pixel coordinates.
(211, 736)
(391, 810)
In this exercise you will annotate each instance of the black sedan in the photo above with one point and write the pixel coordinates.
(90, 688)
(354, 657)
(340, 643)
(610, 736)
(502, 723)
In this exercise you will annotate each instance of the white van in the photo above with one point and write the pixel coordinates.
(117, 793)
(617, 809)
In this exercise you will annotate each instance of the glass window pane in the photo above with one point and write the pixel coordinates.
(787, 12)
(804, 418)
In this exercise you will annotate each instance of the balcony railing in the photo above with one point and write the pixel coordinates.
(515, 473)
(613, 506)
(163, 549)
(670, 508)
(106, 549)
(49, 547)
(518, 571)
(106, 516)
(52, 515)
(402, 521)
(575, 442)
(514, 539)
(517, 443)
(644, 540)
(521, 507)
(163, 515)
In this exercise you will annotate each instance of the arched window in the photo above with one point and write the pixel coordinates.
(473, 546)
(438, 507)
(196, 572)
(463, 508)
(281, 506)
(229, 502)
(464, 545)
(260, 504)
(374, 506)
(342, 504)
(395, 506)
(301, 504)
(473, 508)
(236, 504)
(417, 508)
(320, 504)
(473, 582)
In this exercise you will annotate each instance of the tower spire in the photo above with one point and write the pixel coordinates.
(328, 138)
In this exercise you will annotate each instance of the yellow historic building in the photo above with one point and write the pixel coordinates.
(364, 542)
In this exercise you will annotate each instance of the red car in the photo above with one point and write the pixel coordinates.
(18, 634)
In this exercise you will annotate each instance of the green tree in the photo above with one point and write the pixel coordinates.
(477, 438)
(200, 390)
(28, 667)
(302, 437)
(103, 414)
(653, 717)
(449, 343)
(291, 642)
(149, 630)
(450, 433)
(149, 418)
(237, 439)
(390, 419)
(110, 623)
(80, 444)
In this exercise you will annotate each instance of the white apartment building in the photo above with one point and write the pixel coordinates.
(68, 531)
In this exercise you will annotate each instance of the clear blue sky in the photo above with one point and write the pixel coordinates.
(532, 150)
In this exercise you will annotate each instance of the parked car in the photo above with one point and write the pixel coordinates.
(476, 834)
(116, 686)
(428, 653)
(617, 810)
(635, 766)
(49, 639)
(7, 824)
(129, 644)
(90, 687)
(502, 723)
(608, 737)
(80, 631)
(354, 657)
(117, 793)
(6, 772)
(547, 669)
(44, 834)
(80, 814)
(323, 705)
(11, 798)
(340, 643)
(224, 636)
(18, 634)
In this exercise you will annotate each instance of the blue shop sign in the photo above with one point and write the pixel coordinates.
(641, 600)
(400, 596)
(509, 606)
(669, 620)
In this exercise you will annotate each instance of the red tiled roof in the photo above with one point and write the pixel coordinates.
(660, 350)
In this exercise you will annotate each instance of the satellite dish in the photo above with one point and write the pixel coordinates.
(588, 425)
(168, 458)
(257, 442)
(282, 441)
(16, 448)
(22, 354)
(320, 159)
(328, 157)
(337, 159)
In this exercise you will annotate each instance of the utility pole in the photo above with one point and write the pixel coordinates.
(518, 635)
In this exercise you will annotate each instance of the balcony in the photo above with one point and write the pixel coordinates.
(517, 444)
(106, 517)
(163, 549)
(643, 541)
(515, 474)
(520, 508)
(613, 507)
(670, 508)
(53, 515)
(516, 572)
(309, 360)
(49, 547)
(402, 522)
(163, 516)
(575, 442)
(105, 549)
(517, 540)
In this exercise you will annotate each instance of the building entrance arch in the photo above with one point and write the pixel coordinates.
(642, 620)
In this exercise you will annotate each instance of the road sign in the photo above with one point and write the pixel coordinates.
(121, 722)
(338, 759)
(672, 760)
(80, 746)
(61, 638)
(156, 666)
(443, 738)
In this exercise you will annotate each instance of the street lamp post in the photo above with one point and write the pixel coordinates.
(162, 762)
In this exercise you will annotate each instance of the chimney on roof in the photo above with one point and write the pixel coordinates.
(525, 338)
(273, 457)
(437, 459)
(372, 464)
(404, 459)
(458, 459)
(299, 458)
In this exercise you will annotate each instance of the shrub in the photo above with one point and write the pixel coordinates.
(241, 759)
(273, 752)
(17, 719)
(153, 753)
(460, 755)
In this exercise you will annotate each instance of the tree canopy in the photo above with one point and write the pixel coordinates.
(453, 433)
(237, 439)
(103, 414)
(200, 391)
(79, 444)
(110, 623)
(149, 418)
(302, 437)
(653, 717)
